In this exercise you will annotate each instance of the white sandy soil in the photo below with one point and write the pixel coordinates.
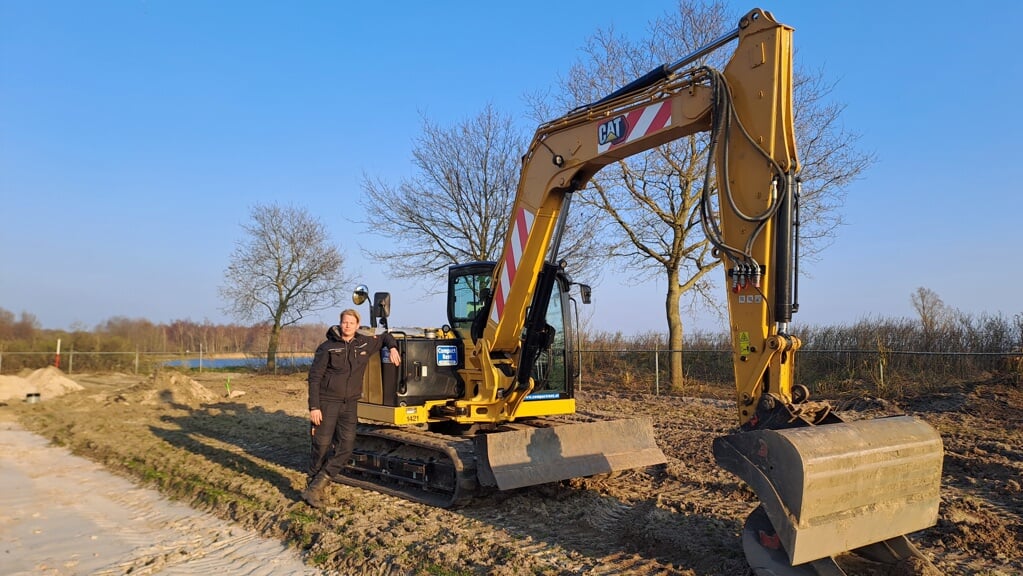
(64, 515)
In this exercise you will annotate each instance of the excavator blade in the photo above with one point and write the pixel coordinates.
(838, 487)
(530, 455)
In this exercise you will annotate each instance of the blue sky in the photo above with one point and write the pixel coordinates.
(136, 135)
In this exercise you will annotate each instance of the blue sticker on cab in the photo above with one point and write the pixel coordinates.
(447, 355)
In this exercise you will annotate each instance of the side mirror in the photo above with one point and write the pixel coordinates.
(361, 294)
(382, 304)
(585, 292)
(381, 308)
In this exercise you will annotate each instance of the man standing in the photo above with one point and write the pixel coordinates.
(335, 385)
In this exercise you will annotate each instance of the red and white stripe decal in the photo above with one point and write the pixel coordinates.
(641, 122)
(521, 226)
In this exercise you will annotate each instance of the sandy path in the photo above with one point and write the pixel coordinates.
(61, 514)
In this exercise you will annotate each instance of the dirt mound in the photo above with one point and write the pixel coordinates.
(170, 389)
(48, 382)
(52, 382)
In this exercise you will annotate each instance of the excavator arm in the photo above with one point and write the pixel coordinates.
(748, 111)
(826, 486)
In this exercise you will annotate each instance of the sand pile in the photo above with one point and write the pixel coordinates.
(170, 388)
(48, 382)
(51, 381)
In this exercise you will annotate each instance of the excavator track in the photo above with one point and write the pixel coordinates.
(417, 465)
(448, 470)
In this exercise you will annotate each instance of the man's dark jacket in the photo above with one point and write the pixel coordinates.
(338, 366)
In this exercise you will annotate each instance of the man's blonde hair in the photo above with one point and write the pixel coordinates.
(351, 312)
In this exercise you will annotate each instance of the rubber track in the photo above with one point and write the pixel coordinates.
(459, 452)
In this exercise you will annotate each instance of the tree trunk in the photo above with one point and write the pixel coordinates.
(271, 348)
(671, 304)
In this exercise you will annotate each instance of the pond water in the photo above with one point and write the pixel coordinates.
(248, 362)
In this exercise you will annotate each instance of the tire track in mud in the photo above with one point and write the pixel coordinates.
(580, 534)
(621, 523)
(647, 521)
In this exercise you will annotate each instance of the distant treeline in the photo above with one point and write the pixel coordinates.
(959, 332)
(954, 332)
(24, 334)
(954, 345)
(886, 353)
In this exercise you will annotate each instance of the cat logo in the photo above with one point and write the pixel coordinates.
(613, 131)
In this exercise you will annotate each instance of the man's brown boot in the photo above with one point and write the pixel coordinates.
(316, 491)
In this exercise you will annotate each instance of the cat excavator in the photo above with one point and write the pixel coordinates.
(487, 400)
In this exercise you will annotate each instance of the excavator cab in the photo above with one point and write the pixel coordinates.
(468, 292)
(555, 368)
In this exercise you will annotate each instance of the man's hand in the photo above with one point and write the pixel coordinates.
(395, 357)
(315, 416)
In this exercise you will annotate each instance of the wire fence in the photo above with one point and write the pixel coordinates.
(143, 362)
(882, 371)
(640, 370)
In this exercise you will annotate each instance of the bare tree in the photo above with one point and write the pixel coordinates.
(457, 207)
(22, 327)
(652, 199)
(284, 268)
(934, 313)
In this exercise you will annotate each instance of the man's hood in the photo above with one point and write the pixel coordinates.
(334, 333)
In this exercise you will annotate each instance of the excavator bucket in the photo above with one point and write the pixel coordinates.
(838, 487)
(528, 455)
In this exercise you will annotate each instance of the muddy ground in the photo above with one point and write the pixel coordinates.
(236, 446)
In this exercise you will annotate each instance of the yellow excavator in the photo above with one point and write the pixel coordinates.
(487, 399)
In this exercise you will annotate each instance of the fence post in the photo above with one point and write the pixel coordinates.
(880, 366)
(657, 368)
(71, 360)
(579, 353)
(136, 361)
